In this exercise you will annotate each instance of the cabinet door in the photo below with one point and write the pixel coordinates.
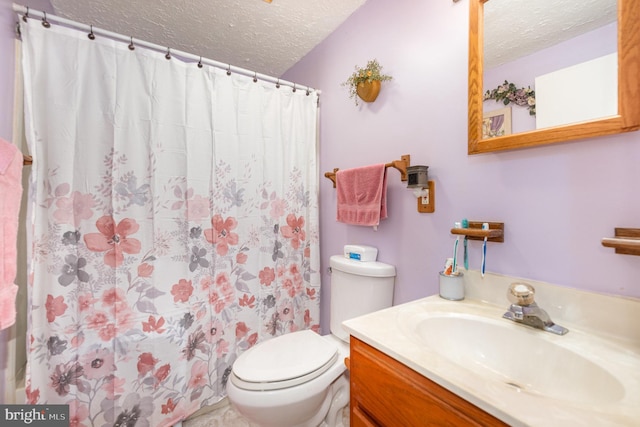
(386, 393)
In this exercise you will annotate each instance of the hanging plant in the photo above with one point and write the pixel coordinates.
(509, 93)
(365, 82)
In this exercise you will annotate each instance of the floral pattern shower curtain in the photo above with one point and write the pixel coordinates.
(174, 224)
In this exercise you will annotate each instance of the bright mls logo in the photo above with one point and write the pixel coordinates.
(34, 415)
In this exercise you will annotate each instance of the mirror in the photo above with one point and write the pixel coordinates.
(626, 118)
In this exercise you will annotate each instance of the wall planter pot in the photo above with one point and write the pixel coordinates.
(368, 91)
(364, 83)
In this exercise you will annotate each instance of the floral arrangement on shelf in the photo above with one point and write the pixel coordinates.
(372, 72)
(509, 93)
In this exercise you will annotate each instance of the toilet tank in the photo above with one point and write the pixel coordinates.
(358, 288)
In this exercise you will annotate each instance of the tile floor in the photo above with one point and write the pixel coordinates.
(223, 415)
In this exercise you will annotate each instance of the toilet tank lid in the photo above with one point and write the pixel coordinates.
(370, 269)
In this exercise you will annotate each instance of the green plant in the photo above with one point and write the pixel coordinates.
(373, 71)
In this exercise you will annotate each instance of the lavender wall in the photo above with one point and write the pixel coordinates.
(557, 201)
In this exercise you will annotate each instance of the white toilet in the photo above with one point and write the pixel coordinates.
(299, 379)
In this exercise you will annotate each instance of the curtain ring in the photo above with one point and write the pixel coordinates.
(131, 46)
(45, 23)
(255, 77)
(308, 91)
(278, 84)
(294, 88)
(200, 63)
(229, 70)
(168, 55)
(91, 35)
(26, 15)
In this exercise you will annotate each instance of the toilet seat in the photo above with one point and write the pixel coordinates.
(284, 361)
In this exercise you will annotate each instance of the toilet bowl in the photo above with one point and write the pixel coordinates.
(300, 379)
(301, 389)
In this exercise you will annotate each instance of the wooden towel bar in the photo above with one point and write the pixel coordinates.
(401, 165)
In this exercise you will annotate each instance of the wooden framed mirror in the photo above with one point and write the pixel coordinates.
(628, 100)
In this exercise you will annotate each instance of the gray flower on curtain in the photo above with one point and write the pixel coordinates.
(71, 237)
(195, 342)
(198, 258)
(66, 375)
(72, 269)
(186, 321)
(130, 190)
(56, 346)
(195, 232)
(277, 253)
(133, 412)
(269, 301)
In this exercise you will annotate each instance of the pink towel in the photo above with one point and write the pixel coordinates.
(362, 195)
(11, 191)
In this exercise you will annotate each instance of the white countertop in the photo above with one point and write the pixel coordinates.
(604, 329)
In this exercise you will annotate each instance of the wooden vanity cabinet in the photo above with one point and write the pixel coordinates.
(386, 393)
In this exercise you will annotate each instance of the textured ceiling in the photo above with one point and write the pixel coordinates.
(515, 28)
(265, 37)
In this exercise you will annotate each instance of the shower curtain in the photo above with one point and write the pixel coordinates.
(174, 224)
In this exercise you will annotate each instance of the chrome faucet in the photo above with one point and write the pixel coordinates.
(525, 310)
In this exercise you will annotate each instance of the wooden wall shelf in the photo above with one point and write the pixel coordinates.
(495, 233)
(626, 241)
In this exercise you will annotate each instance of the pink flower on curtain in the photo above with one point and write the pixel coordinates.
(277, 208)
(162, 373)
(206, 282)
(153, 326)
(294, 230)
(267, 275)
(145, 270)
(55, 307)
(86, 301)
(247, 301)
(241, 258)
(146, 363)
(73, 209)
(97, 320)
(197, 208)
(32, 396)
(108, 332)
(182, 290)
(199, 374)
(113, 386)
(221, 234)
(114, 239)
(214, 331)
(97, 364)
(77, 414)
(114, 298)
(285, 311)
(168, 407)
(223, 295)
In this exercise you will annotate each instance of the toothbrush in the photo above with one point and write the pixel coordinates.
(465, 224)
(485, 226)
(454, 266)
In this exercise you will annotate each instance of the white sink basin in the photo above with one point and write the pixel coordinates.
(521, 375)
(523, 359)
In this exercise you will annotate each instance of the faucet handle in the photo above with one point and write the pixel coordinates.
(521, 293)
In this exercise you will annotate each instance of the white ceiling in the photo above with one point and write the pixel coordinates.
(515, 28)
(265, 37)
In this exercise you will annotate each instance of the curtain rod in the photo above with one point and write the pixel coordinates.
(90, 29)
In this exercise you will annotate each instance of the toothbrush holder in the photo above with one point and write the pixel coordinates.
(452, 286)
